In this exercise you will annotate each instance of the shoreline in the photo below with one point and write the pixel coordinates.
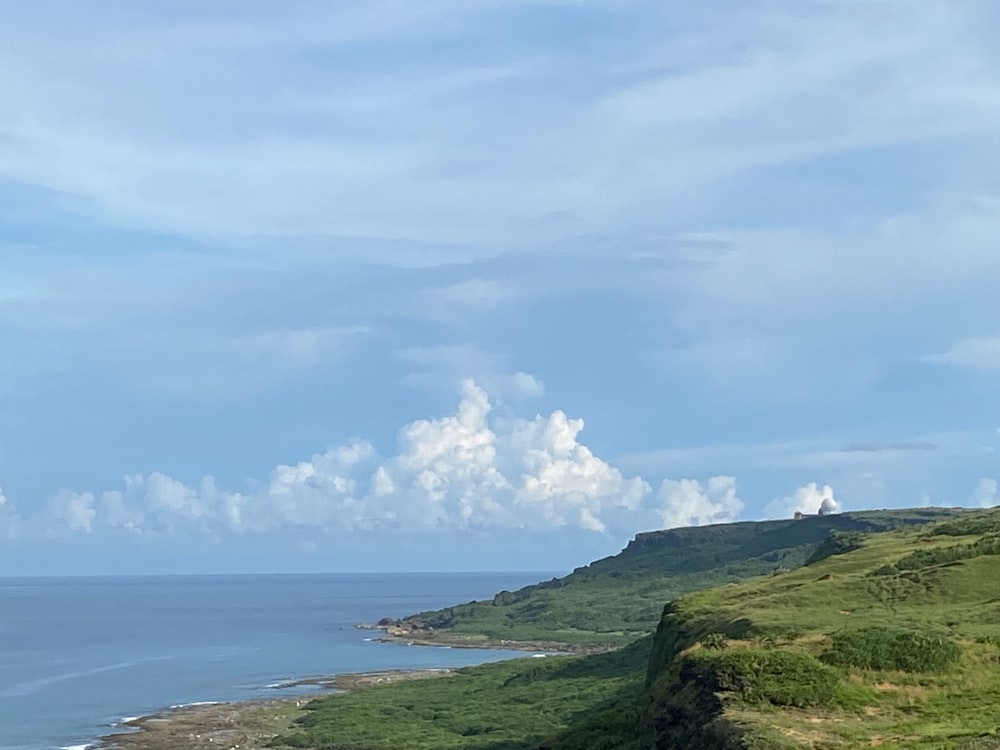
(252, 723)
(443, 639)
(245, 724)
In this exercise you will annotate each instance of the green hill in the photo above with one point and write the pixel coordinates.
(884, 638)
(618, 599)
(893, 644)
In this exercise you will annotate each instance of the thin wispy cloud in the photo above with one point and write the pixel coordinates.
(301, 123)
(972, 353)
(753, 244)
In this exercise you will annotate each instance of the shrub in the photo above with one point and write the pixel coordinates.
(987, 523)
(837, 543)
(893, 649)
(925, 558)
(505, 598)
(781, 678)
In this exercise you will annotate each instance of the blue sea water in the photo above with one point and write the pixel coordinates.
(78, 655)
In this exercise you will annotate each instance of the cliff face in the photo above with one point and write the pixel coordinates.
(683, 707)
(688, 712)
(885, 639)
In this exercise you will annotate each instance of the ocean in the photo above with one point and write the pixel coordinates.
(79, 655)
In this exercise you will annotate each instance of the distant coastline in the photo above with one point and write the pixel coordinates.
(402, 631)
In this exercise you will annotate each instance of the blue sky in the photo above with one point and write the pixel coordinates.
(486, 285)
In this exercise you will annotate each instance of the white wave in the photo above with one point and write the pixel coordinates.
(193, 704)
(128, 720)
(77, 747)
(538, 656)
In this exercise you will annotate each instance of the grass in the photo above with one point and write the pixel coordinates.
(828, 655)
(897, 649)
(770, 676)
(501, 706)
(913, 651)
(989, 544)
(617, 599)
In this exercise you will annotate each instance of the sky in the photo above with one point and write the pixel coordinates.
(484, 285)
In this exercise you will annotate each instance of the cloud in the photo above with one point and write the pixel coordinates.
(986, 494)
(6, 516)
(490, 132)
(972, 353)
(461, 471)
(809, 499)
(686, 502)
(233, 365)
(525, 474)
(74, 511)
(473, 293)
(812, 452)
(447, 365)
(901, 446)
(304, 347)
(527, 384)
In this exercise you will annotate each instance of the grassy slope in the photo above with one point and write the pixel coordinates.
(580, 703)
(502, 706)
(928, 588)
(618, 599)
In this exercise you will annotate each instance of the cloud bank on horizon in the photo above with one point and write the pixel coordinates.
(457, 472)
(753, 244)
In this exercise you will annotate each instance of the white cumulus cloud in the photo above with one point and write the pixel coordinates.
(686, 502)
(460, 471)
(74, 510)
(527, 384)
(810, 498)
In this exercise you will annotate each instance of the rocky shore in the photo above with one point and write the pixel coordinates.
(416, 633)
(243, 725)
(253, 724)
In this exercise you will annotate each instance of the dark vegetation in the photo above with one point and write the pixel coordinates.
(820, 656)
(883, 648)
(927, 558)
(513, 704)
(837, 543)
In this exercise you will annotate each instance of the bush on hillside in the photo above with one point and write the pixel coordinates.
(987, 523)
(781, 678)
(838, 543)
(926, 558)
(886, 648)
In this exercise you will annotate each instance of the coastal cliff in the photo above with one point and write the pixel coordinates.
(889, 640)
(612, 601)
(886, 633)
